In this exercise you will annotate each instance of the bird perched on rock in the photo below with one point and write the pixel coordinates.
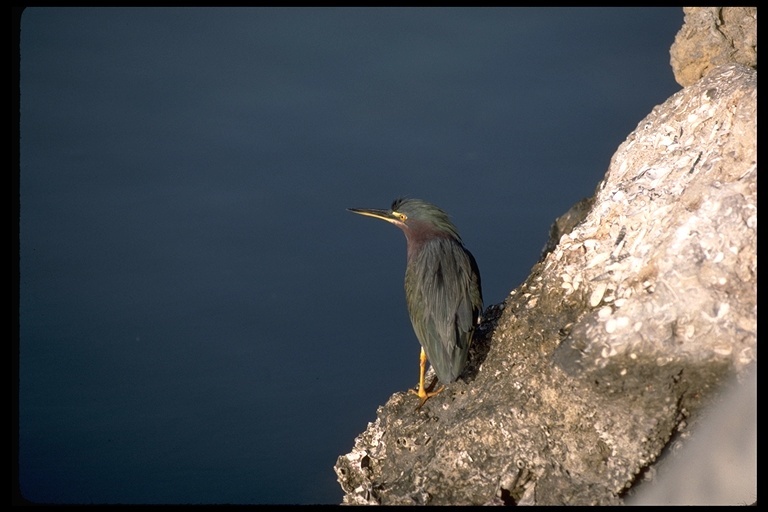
(442, 287)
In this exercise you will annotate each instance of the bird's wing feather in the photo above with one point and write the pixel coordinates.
(442, 290)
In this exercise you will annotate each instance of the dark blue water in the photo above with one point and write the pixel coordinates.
(201, 320)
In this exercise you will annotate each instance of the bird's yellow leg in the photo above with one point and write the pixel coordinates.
(422, 392)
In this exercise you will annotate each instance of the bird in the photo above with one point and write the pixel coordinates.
(442, 287)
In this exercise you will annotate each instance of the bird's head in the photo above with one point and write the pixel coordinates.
(417, 218)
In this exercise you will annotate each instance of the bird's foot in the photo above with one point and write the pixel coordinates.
(424, 395)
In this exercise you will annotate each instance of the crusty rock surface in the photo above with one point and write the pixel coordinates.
(712, 37)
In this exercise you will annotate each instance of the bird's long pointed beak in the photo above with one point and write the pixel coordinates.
(378, 214)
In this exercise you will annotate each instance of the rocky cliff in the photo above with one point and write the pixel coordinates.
(644, 303)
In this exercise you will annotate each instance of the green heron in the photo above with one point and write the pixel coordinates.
(442, 287)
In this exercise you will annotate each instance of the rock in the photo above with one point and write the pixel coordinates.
(566, 222)
(718, 466)
(713, 36)
(642, 305)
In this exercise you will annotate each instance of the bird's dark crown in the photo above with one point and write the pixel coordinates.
(422, 212)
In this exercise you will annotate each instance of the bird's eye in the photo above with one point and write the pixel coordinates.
(402, 216)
